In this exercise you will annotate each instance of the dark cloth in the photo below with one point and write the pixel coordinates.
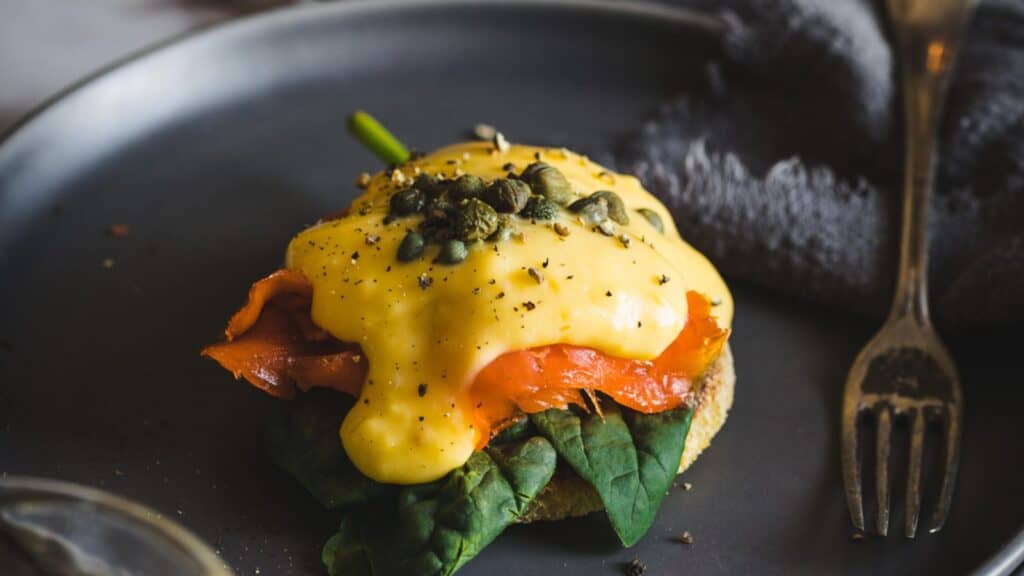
(785, 167)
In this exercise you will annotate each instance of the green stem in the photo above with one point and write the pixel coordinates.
(376, 137)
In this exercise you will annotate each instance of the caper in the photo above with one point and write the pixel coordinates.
(411, 247)
(475, 220)
(440, 205)
(548, 181)
(437, 228)
(407, 201)
(593, 209)
(467, 186)
(506, 228)
(453, 252)
(428, 183)
(616, 208)
(652, 217)
(539, 208)
(507, 195)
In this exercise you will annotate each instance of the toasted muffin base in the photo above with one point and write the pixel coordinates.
(568, 495)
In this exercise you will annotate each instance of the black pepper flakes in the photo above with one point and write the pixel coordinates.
(537, 275)
(608, 293)
(421, 390)
(500, 295)
(545, 263)
(635, 568)
(663, 280)
(529, 305)
(425, 281)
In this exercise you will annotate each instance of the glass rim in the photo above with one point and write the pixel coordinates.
(14, 488)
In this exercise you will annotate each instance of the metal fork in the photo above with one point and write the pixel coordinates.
(905, 370)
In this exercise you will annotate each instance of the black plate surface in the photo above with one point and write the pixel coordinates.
(217, 149)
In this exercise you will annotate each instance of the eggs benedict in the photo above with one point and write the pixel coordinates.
(491, 311)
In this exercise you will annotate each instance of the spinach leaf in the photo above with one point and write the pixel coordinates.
(520, 430)
(629, 458)
(436, 528)
(345, 553)
(304, 441)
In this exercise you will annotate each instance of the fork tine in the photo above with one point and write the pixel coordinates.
(951, 453)
(882, 446)
(851, 465)
(914, 471)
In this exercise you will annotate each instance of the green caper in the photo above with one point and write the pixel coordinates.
(507, 195)
(593, 209)
(411, 247)
(475, 220)
(453, 252)
(539, 208)
(616, 208)
(506, 228)
(548, 181)
(428, 183)
(467, 186)
(440, 205)
(436, 228)
(407, 201)
(652, 217)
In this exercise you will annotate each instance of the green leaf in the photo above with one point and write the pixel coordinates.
(304, 441)
(521, 430)
(446, 525)
(436, 528)
(629, 458)
(345, 553)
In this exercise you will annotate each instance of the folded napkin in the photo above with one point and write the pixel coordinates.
(785, 166)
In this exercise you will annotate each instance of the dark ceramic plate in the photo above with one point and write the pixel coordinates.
(215, 150)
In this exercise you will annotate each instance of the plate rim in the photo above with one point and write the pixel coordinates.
(1007, 558)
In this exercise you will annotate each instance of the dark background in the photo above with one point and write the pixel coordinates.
(45, 45)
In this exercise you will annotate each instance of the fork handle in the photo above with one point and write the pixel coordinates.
(928, 34)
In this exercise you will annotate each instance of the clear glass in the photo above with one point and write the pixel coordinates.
(51, 527)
